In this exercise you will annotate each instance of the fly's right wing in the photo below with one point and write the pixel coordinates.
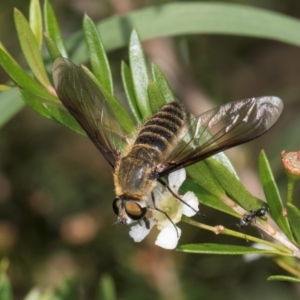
(84, 100)
(224, 127)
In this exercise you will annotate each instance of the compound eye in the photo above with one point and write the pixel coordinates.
(135, 211)
(116, 205)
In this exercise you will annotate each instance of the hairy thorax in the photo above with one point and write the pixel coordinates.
(135, 173)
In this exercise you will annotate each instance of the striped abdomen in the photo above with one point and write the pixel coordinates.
(134, 174)
(162, 131)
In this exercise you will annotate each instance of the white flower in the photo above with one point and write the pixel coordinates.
(166, 202)
(191, 200)
(168, 237)
(251, 257)
(176, 179)
(139, 232)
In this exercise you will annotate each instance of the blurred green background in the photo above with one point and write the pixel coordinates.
(56, 190)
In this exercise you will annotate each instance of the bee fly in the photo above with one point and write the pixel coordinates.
(170, 140)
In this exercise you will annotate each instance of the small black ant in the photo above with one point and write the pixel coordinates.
(248, 218)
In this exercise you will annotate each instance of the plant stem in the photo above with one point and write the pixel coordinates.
(225, 231)
(290, 189)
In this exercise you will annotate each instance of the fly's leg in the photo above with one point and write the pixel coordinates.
(164, 184)
(163, 212)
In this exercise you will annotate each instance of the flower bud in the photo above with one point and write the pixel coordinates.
(291, 163)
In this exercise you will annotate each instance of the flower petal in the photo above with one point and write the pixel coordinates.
(139, 232)
(176, 179)
(171, 207)
(192, 200)
(251, 257)
(168, 238)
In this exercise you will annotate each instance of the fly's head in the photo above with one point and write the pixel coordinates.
(129, 209)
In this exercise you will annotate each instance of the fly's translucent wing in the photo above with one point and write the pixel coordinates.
(222, 128)
(84, 100)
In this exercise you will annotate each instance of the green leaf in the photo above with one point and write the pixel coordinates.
(293, 216)
(4, 87)
(98, 58)
(67, 290)
(30, 48)
(129, 91)
(184, 18)
(123, 117)
(51, 47)
(63, 117)
(139, 75)
(224, 160)
(181, 19)
(202, 175)
(35, 103)
(272, 195)
(284, 278)
(224, 249)
(106, 288)
(35, 21)
(156, 98)
(52, 28)
(10, 105)
(5, 286)
(21, 78)
(206, 198)
(160, 79)
(233, 187)
(52, 112)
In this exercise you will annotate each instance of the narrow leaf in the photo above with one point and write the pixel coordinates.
(10, 105)
(3, 48)
(52, 28)
(63, 117)
(206, 198)
(162, 82)
(35, 103)
(67, 290)
(283, 278)
(129, 90)
(30, 48)
(293, 216)
(223, 159)
(4, 87)
(35, 21)
(5, 286)
(106, 288)
(202, 175)
(124, 118)
(139, 75)
(51, 47)
(224, 249)
(182, 18)
(98, 58)
(21, 78)
(156, 98)
(187, 18)
(289, 264)
(233, 187)
(272, 195)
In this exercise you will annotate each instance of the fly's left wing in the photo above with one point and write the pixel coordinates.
(222, 128)
(84, 100)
